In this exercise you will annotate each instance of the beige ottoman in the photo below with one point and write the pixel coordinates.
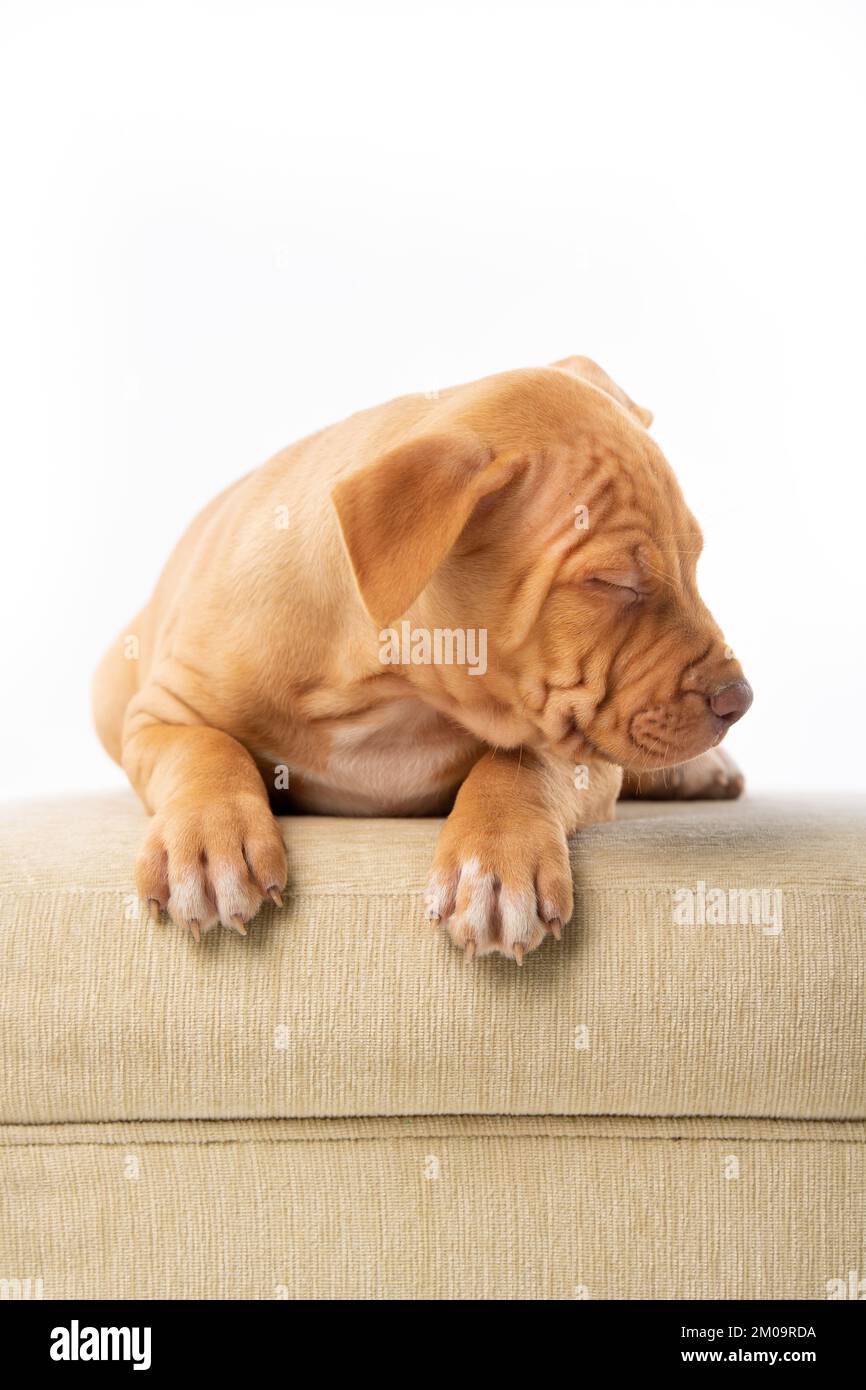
(671, 1103)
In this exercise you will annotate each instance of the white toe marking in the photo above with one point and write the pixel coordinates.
(235, 896)
(189, 902)
(519, 916)
(438, 896)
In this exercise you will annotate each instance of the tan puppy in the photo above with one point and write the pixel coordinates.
(490, 592)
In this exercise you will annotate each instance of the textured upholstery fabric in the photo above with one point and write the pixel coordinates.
(338, 1106)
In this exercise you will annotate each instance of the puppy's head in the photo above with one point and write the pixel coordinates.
(535, 508)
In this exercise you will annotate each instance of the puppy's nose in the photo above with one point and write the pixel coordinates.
(732, 701)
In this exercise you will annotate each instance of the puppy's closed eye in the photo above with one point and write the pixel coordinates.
(623, 588)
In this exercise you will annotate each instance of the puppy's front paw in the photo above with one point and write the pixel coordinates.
(211, 861)
(500, 887)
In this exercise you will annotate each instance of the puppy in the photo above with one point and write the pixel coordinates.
(481, 601)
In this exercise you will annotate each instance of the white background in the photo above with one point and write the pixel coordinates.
(224, 225)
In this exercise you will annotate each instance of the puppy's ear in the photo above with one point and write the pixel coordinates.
(587, 370)
(401, 515)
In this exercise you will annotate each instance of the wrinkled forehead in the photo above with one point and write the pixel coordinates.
(671, 523)
(593, 456)
(630, 505)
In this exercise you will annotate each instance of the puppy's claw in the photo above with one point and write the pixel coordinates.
(518, 953)
(275, 896)
(153, 909)
(469, 950)
(555, 927)
(194, 927)
(239, 925)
